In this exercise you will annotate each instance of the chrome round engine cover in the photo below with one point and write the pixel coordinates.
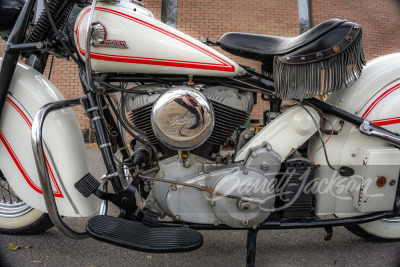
(182, 118)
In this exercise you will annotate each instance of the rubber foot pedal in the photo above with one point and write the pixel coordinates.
(136, 236)
(87, 185)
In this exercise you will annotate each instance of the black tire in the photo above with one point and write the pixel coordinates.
(16, 217)
(37, 227)
(361, 232)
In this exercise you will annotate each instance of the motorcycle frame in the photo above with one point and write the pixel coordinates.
(91, 103)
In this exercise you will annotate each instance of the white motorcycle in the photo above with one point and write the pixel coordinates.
(314, 164)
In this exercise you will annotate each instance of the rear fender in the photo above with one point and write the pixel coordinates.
(375, 97)
(64, 146)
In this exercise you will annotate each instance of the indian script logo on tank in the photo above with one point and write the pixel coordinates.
(99, 38)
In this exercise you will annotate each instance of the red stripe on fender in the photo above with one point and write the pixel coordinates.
(57, 192)
(379, 99)
(388, 121)
(15, 106)
(18, 164)
(224, 66)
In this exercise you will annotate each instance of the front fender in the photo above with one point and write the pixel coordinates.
(63, 141)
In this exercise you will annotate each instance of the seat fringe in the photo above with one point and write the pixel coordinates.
(301, 81)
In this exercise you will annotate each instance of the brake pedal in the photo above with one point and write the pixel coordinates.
(87, 185)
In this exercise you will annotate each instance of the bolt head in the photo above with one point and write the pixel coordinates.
(177, 217)
(269, 147)
(264, 166)
(254, 154)
(245, 206)
(173, 188)
(208, 177)
(212, 203)
(245, 172)
(161, 174)
(392, 182)
(245, 222)
(39, 45)
(246, 136)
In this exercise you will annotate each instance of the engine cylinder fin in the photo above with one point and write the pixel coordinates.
(227, 110)
(141, 119)
(227, 120)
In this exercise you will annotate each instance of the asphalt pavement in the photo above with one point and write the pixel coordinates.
(221, 248)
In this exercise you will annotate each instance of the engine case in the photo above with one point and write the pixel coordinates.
(253, 180)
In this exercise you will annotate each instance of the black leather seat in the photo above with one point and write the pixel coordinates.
(317, 62)
(264, 47)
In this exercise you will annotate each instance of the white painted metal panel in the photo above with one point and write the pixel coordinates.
(153, 47)
(375, 97)
(65, 148)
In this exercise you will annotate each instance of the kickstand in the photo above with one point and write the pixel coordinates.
(251, 247)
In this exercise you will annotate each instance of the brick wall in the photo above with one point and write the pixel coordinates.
(380, 21)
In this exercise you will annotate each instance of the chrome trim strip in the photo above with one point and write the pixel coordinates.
(44, 177)
(88, 41)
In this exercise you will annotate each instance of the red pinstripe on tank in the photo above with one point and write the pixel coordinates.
(222, 66)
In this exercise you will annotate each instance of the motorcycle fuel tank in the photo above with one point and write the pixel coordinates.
(127, 39)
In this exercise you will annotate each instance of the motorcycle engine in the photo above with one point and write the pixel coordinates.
(184, 119)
